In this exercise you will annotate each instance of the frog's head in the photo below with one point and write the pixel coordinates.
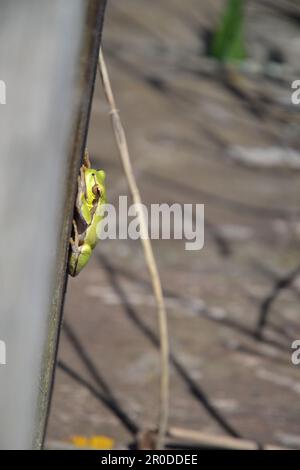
(95, 186)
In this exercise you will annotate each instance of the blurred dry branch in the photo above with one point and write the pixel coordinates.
(187, 436)
(282, 283)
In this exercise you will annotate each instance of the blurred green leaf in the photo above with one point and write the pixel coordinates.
(228, 41)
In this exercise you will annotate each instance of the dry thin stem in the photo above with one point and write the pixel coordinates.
(207, 441)
(148, 253)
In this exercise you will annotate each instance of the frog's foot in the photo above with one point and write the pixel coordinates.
(86, 159)
(73, 244)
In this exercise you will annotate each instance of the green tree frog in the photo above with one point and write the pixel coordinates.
(91, 195)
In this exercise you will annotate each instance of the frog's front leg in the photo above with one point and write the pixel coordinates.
(81, 190)
(83, 213)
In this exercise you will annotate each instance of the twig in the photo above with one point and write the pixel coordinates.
(280, 284)
(106, 398)
(148, 252)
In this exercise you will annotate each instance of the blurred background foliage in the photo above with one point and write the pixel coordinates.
(228, 42)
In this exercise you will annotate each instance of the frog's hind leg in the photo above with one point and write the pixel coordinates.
(75, 250)
(75, 241)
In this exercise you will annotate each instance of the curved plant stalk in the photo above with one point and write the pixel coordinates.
(148, 253)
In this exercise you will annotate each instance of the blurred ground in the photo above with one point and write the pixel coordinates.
(197, 134)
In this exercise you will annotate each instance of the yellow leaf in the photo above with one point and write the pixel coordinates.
(93, 442)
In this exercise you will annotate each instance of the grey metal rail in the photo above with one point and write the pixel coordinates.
(48, 59)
